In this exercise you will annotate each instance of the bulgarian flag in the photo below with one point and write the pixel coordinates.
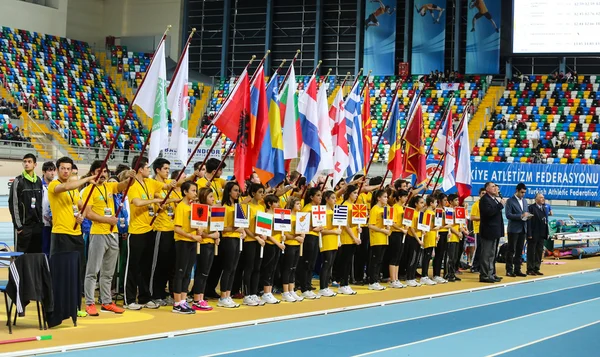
(151, 97)
(178, 103)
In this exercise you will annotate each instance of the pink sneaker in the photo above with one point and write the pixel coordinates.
(201, 305)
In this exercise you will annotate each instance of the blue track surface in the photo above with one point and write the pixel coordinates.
(480, 323)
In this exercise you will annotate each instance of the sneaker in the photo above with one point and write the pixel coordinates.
(91, 310)
(81, 313)
(296, 296)
(201, 305)
(151, 305)
(439, 280)
(412, 283)
(160, 302)
(288, 297)
(327, 292)
(376, 286)
(187, 307)
(335, 284)
(249, 301)
(427, 281)
(232, 302)
(310, 295)
(258, 300)
(227, 303)
(133, 306)
(346, 290)
(269, 299)
(182, 309)
(169, 301)
(112, 308)
(396, 284)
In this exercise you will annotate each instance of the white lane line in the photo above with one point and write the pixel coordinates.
(544, 339)
(473, 328)
(392, 322)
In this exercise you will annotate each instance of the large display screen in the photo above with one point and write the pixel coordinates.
(556, 26)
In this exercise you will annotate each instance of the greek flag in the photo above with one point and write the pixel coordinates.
(352, 111)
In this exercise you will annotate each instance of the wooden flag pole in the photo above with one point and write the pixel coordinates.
(289, 70)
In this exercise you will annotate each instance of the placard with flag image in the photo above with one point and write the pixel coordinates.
(302, 222)
(199, 216)
(439, 217)
(217, 218)
(241, 216)
(282, 220)
(460, 215)
(359, 214)
(319, 215)
(264, 223)
(388, 216)
(407, 218)
(449, 215)
(424, 222)
(340, 216)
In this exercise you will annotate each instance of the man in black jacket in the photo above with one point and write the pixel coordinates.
(25, 205)
(537, 231)
(492, 229)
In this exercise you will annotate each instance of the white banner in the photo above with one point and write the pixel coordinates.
(171, 154)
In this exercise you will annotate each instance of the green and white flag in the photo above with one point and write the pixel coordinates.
(152, 99)
(178, 103)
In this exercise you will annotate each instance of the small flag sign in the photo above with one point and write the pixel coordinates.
(408, 216)
(439, 217)
(388, 216)
(264, 223)
(449, 215)
(282, 220)
(424, 223)
(302, 222)
(199, 216)
(359, 214)
(340, 215)
(460, 215)
(217, 219)
(319, 216)
(241, 216)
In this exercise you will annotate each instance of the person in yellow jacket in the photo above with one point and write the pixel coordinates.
(350, 238)
(331, 239)
(378, 235)
(397, 239)
(442, 244)
(292, 255)
(429, 241)
(272, 253)
(457, 232)
(251, 254)
(414, 241)
(310, 246)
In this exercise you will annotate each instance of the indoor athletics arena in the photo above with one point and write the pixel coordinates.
(299, 177)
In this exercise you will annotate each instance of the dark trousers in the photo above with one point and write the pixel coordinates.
(252, 261)
(488, 248)
(30, 238)
(477, 255)
(269, 262)
(46, 234)
(185, 254)
(215, 274)
(516, 241)
(327, 258)
(452, 254)
(345, 255)
(425, 260)
(414, 249)
(440, 253)
(375, 259)
(361, 256)
(229, 253)
(65, 243)
(535, 252)
(163, 264)
(289, 263)
(307, 261)
(204, 262)
(459, 252)
(395, 248)
(140, 248)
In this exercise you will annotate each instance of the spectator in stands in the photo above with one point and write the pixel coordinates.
(571, 144)
(126, 148)
(553, 77)
(596, 143)
(501, 125)
(535, 138)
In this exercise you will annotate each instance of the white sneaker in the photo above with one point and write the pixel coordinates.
(269, 299)
(396, 284)
(346, 290)
(160, 302)
(288, 297)
(376, 286)
(296, 296)
(151, 305)
(258, 300)
(169, 300)
(227, 303)
(439, 280)
(310, 295)
(427, 281)
(249, 301)
(133, 306)
(327, 292)
(412, 283)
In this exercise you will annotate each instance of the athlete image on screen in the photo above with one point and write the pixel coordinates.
(382, 9)
(431, 8)
(482, 11)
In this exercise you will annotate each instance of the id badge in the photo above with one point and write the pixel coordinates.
(121, 222)
(75, 210)
(151, 211)
(170, 212)
(107, 212)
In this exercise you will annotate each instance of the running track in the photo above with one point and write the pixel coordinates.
(553, 317)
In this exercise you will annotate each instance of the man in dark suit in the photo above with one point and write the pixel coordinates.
(491, 230)
(537, 231)
(517, 215)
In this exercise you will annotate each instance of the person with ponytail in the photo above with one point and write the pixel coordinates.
(350, 238)
(330, 239)
(378, 235)
(292, 254)
(397, 239)
(272, 253)
(414, 242)
(252, 247)
(429, 242)
(310, 247)
(442, 244)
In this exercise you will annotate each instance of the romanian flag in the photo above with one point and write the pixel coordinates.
(217, 214)
(367, 126)
(415, 147)
(259, 120)
(392, 135)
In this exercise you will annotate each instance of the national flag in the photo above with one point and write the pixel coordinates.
(445, 144)
(388, 216)
(463, 164)
(338, 136)
(325, 139)
(233, 120)
(340, 215)
(414, 161)
(199, 216)
(178, 103)
(264, 223)
(460, 216)
(424, 222)
(282, 219)
(439, 217)
(259, 122)
(367, 126)
(310, 155)
(408, 216)
(270, 165)
(392, 134)
(302, 222)
(290, 118)
(319, 215)
(152, 99)
(449, 215)
(217, 218)
(359, 214)
(352, 113)
(241, 216)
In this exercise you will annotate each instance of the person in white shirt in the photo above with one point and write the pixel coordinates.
(48, 173)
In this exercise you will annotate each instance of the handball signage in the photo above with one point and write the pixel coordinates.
(203, 151)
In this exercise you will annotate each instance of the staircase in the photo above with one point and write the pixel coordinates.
(477, 124)
(199, 110)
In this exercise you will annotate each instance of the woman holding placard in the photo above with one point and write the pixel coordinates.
(292, 254)
(429, 242)
(273, 250)
(330, 236)
(442, 244)
(378, 234)
(253, 247)
(397, 238)
(414, 241)
(231, 245)
(310, 246)
(350, 238)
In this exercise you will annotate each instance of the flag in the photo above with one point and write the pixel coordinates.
(388, 216)
(152, 99)
(270, 165)
(460, 216)
(424, 222)
(338, 137)
(264, 223)
(367, 127)
(233, 120)
(282, 219)
(414, 162)
(259, 123)
(340, 215)
(241, 216)
(217, 218)
(326, 163)
(178, 103)
(291, 118)
(463, 164)
(302, 222)
(310, 154)
(319, 215)
(352, 113)
(199, 216)
(439, 217)
(407, 217)
(449, 215)
(359, 214)
(392, 135)
(445, 144)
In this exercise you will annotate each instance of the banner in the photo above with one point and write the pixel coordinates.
(171, 154)
(429, 37)
(380, 37)
(483, 37)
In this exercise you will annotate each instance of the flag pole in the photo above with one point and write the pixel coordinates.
(287, 74)
(223, 160)
(327, 75)
(121, 126)
(448, 106)
(276, 72)
(356, 80)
